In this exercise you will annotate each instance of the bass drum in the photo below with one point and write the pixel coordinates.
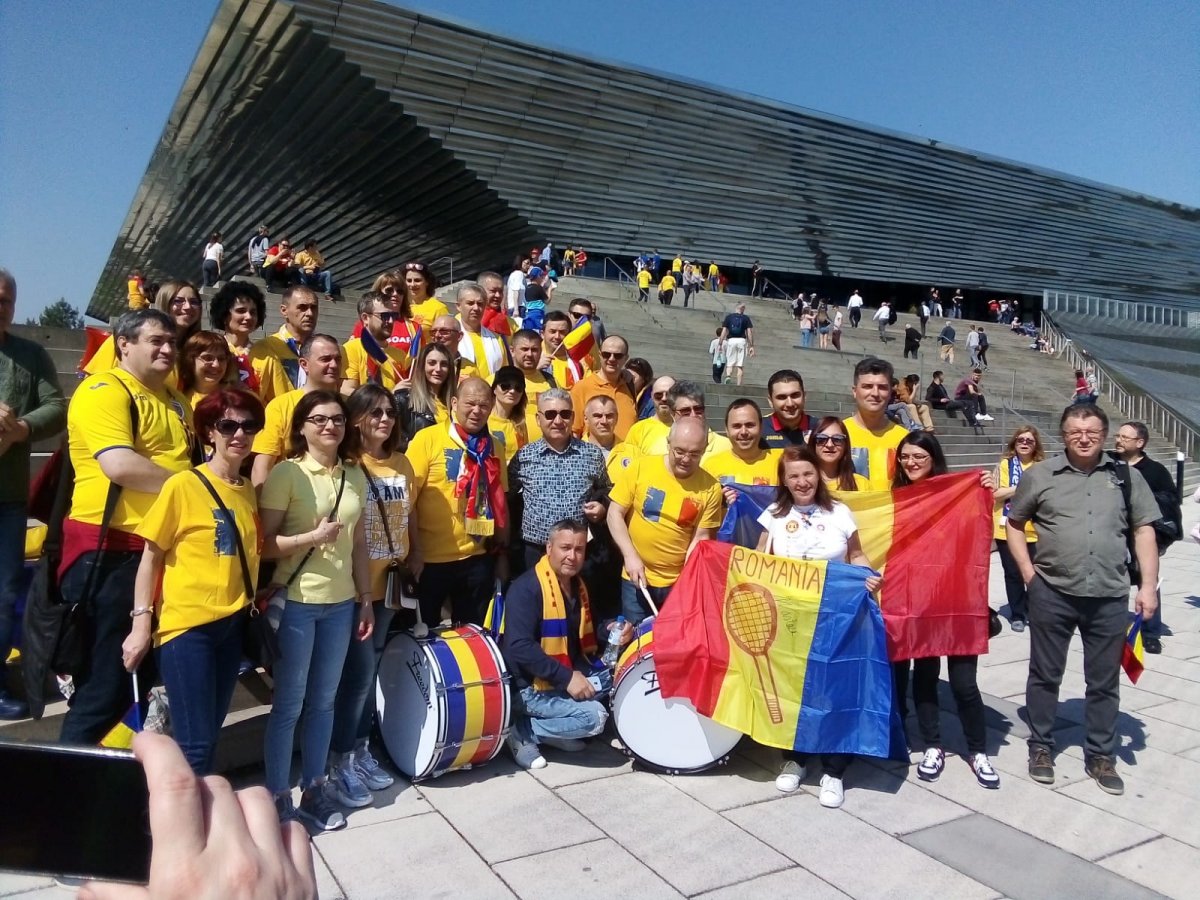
(443, 701)
(668, 735)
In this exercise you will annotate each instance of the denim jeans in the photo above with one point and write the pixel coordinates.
(354, 709)
(12, 564)
(103, 694)
(633, 605)
(313, 638)
(555, 714)
(805, 337)
(200, 670)
(322, 278)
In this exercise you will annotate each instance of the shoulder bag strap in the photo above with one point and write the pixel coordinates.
(383, 517)
(311, 550)
(247, 581)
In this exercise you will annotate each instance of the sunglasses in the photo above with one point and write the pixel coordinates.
(388, 316)
(829, 438)
(509, 387)
(661, 395)
(383, 412)
(338, 421)
(1026, 440)
(689, 411)
(551, 414)
(230, 427)
(611, 354)
(414, 267)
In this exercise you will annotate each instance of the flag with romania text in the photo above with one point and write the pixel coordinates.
(791, 652)
(932, 543)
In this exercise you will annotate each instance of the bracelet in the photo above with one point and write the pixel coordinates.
(141, 611)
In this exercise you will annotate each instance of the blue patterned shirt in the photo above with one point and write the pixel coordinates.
(553, 484)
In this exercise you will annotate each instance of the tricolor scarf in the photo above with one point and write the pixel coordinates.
(554, 640)
(247, 377)
(497, 320)
(478, 480)
(407, 336)
(1014, 478)
(486, 350)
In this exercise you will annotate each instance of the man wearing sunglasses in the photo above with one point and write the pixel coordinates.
(645, 431)
(685, 399)
(610, 380)
(278, 268)
(377, 320)
(321, 363)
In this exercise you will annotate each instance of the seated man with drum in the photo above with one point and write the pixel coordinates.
(550, 646)
(659, 508)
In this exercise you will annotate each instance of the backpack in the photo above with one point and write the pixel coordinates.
(891, 315)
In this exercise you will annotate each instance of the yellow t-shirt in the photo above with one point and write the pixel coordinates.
(436, 457)
(391, 484)
(279, 345)
(484, 355)
(664, 514)
(275, 437)
(728, 468)
(305, 491)
(646, 432)
(202, 575)
(361, 367)
(874, 456)
(426, 312)
(677, 264)
(103, 359)
(620, 458)
(137, 299)
(505, 434)
(272, 380)
(713, 271)
(644, 278)
(1000, 532)
(667, 283)
(98, 420)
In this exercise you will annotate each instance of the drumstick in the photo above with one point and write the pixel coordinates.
(420, 630)
(646, 594)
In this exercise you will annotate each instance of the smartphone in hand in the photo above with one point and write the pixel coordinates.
(74, 811)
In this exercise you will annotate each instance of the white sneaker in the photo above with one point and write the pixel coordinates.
(985, 418)
(832, 795)
(930, 767)
(791, 773)
(984, 773)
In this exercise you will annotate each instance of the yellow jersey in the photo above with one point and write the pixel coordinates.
(874, 455)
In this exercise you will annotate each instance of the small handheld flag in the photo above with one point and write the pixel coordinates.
(580, 341)
(1133, 660)
(493, 619)
(120, 737)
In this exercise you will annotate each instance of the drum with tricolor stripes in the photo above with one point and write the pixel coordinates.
(668, 735)
(443, 701)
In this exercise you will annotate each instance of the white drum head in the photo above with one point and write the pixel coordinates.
(669, 734)
(406, 696)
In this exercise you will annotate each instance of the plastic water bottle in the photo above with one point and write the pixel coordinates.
(612, 652)
(275, 608)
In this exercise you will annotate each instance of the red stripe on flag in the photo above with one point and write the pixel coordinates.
(491, 695)
(935, 585)
(691, 647)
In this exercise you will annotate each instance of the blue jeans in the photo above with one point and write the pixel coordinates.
(354, 709)
(104, 693)
(806, 337)
(633, 604)
(12, 565)
(313, 638)
(200, 670)
(322, 278)
(555, 714)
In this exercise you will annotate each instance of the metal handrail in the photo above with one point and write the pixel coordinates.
(1127, 310)
(767, 285)
(1135, 405)
(623, 277)
(449, 259)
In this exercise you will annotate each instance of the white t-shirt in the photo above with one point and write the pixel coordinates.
(214, 251)
(885, 312)
(855, 300)
(516, 291)
(716, 351)
(810, 532)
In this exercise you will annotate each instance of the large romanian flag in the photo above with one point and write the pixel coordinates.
(932, 542)
(791, 652)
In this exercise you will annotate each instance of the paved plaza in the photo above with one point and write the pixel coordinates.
(594, 824)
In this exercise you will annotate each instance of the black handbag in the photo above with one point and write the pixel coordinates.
(260, 643)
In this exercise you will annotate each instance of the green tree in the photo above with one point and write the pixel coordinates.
(59, 314)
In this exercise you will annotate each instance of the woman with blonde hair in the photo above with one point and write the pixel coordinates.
(1024, 450)
(178, 299)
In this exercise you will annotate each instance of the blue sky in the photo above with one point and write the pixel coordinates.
(1104, 90)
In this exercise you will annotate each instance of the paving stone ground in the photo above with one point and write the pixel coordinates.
(594, 822)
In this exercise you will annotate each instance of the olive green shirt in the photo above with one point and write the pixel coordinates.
(29, 385)
(1080, 520)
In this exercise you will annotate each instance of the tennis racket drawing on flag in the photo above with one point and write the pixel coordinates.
(752, 622)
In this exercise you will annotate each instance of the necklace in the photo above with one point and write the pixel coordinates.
(236, 481)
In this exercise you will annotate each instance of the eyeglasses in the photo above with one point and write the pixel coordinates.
(660, 395)
(914, 457)
(185, 301)
(443, 331)
(551, 414)
(1077, 435)
(690, 410)
(1025, 440)
(381, 412)
(209, 360)
(387, 316)
(611, 354)
(337, 421)
(838, 439)
(230, 427)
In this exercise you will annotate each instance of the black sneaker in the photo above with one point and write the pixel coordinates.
(1151, 644)
(1041, 765)
(1102, 769)
(317, 807)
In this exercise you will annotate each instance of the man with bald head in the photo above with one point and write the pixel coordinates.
(610, 380)
(659, 509)
(655, 428)
(446, 330)
(462, 546)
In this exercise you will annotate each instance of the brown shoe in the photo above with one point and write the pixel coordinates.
(1041, 765)
(1102, 769)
